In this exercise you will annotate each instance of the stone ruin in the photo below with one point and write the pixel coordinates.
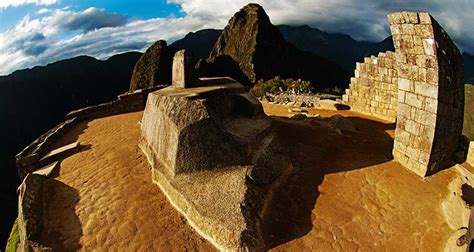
(215, 154)
(420, 87)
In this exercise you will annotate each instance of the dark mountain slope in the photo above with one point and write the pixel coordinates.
(200, 42)
(339, 48)
(261, 52)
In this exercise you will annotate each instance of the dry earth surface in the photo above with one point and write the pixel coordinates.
(103, 198)
(347, 195)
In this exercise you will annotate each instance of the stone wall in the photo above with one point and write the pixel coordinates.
(420, 86)
(430, 91)
(125, 103)
(373, 90)
(27, 159)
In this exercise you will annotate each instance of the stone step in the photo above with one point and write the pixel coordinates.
(48, 170)
(58, 153)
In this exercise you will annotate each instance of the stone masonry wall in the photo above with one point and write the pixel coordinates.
(420, 86)
(430, 93)
(373, 90)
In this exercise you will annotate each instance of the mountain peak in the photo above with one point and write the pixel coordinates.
(250, 38)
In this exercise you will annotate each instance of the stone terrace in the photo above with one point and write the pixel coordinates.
(348, 193)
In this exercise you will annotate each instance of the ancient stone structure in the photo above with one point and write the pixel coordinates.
(183, 70)
(374, 88)
(216, 156)
(424, 78)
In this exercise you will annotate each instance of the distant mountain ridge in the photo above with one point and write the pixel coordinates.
(340, 48)
(251, 48)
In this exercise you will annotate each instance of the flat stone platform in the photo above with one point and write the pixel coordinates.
(347, 195)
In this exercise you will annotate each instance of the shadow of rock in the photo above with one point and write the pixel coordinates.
(62, 227)
(222, 65)
(315, 151)
(467, 194)
(71, 136)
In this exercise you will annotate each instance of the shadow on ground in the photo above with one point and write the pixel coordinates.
(60, 202)
(60, 211)
(316, 151)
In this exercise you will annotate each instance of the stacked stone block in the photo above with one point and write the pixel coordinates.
(426, 72)
(373, 90)
(430, 93)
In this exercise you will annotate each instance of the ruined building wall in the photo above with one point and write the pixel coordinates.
(450, 111)
(430, 90)
(373, 90)
(428, 70)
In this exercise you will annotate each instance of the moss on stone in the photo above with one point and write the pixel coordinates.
(14, 238)
(468, 128)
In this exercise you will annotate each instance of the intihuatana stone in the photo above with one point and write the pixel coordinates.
(183, 70)
(216, 155)
(420, 87)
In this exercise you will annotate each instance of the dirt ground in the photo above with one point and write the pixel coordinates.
(348, 194)
(104, 200)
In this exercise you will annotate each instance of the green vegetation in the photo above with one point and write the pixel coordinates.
(468, 129)
(278, 85)
(14, 238)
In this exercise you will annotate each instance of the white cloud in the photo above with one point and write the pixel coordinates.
(40, 41)
(362, 19)
(43, 11)
(14, 3)
(43, 40)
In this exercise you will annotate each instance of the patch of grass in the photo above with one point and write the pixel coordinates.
(278, 85)
(14, 238)
(468, 128)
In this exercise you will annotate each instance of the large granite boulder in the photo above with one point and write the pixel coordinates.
(217, 157)
(154, 67)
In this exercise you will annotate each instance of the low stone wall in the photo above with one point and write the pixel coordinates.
(374, 90)
(30, 212)
(30, 192)
(27, 159)
(126, 103)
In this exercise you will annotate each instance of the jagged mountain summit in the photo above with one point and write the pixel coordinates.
(261, 52)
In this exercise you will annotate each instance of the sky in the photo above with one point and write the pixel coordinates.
(38, 32)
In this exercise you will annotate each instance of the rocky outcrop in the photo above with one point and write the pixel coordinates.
(154, 67)
(261, 52)
(216, 156)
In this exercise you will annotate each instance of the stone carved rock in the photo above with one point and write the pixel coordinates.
(216, 156)
(183, 70)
